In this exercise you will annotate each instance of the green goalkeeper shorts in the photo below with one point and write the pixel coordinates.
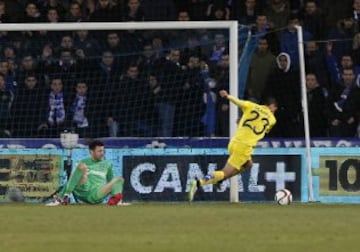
(90, 194)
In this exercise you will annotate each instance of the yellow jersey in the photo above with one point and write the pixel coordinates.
(256, 121)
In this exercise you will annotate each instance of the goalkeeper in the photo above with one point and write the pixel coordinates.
(92, 180)
(256, 121)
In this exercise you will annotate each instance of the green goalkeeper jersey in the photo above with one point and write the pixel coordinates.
(98, 174)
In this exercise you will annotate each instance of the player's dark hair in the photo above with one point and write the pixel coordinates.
(270, 100)
(94, 144)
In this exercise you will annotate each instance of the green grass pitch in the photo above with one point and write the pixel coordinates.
(179, 227)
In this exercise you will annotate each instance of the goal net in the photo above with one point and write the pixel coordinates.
(117, 79)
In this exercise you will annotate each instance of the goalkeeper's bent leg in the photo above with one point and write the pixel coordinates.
(115, 186)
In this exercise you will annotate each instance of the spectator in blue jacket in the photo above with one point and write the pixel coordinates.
(336, 68)
(289, 40)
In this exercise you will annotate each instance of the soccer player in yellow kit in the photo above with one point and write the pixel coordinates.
(93, 180)
(256, 121)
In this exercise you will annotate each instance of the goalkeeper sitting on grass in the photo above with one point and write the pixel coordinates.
(92, 181)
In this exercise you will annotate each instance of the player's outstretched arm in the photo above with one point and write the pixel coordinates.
(223, 93)
(240, 103)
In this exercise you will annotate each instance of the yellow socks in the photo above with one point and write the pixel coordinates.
(212, 178)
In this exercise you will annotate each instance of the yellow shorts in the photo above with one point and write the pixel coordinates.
(239, 154)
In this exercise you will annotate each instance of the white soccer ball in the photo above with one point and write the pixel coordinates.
(283, 197)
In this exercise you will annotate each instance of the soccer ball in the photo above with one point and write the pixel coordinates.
(283, 197)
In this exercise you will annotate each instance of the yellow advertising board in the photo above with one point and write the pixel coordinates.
(36, 175)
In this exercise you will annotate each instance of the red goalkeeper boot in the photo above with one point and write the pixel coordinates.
(115, 199)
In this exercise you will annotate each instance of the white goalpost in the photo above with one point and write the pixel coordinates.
(305, 112)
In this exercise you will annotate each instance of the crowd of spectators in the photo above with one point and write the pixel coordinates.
(130, 83)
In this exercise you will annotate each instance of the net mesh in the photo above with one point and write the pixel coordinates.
(121, 83)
